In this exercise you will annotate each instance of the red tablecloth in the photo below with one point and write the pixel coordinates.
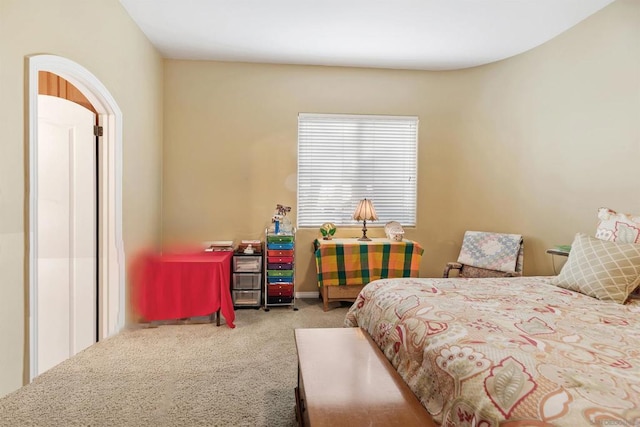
(184, 285)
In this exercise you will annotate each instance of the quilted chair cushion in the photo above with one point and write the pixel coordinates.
(492, 251)
(609, 271)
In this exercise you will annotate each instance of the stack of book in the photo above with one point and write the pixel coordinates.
(219, 245)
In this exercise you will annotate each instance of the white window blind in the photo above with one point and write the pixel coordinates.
(345, 158)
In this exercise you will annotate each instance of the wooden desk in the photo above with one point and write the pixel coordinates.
(344, 266)
(345, 380)
(177, 286)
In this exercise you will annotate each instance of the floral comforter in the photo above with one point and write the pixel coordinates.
(507, 351)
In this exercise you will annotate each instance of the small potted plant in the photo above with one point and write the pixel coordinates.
(328, 230)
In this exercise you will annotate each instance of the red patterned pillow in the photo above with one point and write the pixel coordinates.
(618, 227)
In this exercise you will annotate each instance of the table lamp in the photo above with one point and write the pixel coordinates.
(365, 212)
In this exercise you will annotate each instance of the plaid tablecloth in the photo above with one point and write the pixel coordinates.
(353, 262)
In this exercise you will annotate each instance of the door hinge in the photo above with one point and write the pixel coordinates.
(98, 130)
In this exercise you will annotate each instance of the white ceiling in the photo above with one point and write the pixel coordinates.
(404, 34)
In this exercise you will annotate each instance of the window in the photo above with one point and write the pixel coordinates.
(345, 158)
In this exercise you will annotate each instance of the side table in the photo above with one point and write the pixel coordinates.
(345, 266)
(561, 251)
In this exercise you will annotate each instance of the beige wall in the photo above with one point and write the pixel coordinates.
(532, 144)
(100, 36)
(548, 137)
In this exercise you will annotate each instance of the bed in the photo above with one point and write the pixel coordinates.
(517, 351)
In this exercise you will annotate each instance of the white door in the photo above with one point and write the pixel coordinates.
(66, 221)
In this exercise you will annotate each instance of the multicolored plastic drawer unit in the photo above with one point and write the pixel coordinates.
(279, 270)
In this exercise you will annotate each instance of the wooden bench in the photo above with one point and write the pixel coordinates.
(345, 380)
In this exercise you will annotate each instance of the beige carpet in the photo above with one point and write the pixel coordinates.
(177, 375)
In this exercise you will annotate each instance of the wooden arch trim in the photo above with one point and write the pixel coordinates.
(54, 85)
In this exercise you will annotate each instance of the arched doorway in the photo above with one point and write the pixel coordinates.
(111, 262)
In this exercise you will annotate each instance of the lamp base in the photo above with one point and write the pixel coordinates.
(364, 237)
